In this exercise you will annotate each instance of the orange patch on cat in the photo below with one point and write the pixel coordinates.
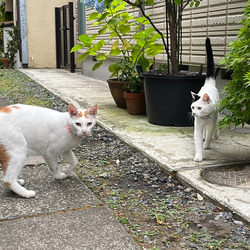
(7, 184)
(8, 109)
(86, 113)
(4, 158)
(79, 114)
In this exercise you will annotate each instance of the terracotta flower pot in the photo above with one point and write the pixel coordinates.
(116, 90)
(6, 62)
(135, 103)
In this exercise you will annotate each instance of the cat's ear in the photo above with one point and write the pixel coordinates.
(93, 110)
(72, 110)
(195, 96)
(206, 98)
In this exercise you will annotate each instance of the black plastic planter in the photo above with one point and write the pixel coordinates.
(168, 98)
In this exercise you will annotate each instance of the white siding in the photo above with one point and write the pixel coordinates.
(217, 19)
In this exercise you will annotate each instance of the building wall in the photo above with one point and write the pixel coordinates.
(41, 32)
(217, 19)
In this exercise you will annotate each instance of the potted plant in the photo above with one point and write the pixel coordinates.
(129, 43)
(168, 94)
(6, 61)
(133, 91)
(12, 48)
(236, 103)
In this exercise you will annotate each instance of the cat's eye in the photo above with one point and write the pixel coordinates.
(89, 124)
(199, 108)
(78, 124)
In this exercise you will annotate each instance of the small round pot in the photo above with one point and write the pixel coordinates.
(116, 91)
(136, 104)
(6, 62)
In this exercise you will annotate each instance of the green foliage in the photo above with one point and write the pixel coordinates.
(163, 68)
(5, 16)
(12, 45)
(2, 12)
(129, 42)
(123, 220)
(128, 73)
(1, 62)
(237, 100)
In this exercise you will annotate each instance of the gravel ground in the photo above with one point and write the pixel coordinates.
(155, 208)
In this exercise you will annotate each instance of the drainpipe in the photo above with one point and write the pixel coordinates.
(23, 31)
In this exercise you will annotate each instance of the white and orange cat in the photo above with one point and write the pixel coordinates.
(204, 108)
(29, 130)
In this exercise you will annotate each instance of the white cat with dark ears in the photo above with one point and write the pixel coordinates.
(204, 109)
(29, 130)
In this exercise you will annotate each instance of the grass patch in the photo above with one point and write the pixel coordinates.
(19, 88)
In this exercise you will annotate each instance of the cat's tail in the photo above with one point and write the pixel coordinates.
(210, 59)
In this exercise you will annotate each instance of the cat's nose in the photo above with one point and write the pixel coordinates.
(84, 132)
(194, 114)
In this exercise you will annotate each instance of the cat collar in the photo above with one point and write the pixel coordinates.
(68, 128)
(206, 117)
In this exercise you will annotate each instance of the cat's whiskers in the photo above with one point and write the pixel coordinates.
(190, 116)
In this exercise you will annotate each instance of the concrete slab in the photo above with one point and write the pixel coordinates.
(171, 147)
(82, 91)
(90, 229)
(51, 195)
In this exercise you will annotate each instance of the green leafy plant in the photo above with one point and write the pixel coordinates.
(236, 102)
(122, 220)
(1, 54)
(163, 67)
(2, 12)
(12, 45)
(215, 244)
(129, 74)
(129, 41)
(151, 233)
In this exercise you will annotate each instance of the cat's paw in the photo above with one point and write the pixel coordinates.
(29, 194)
(217, 134)
(206, 147)
(60, 176)
(198, 158)
(66, 169)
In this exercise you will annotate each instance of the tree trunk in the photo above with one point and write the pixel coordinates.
(172, 19)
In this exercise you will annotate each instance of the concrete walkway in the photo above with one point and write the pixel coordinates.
(171, 147)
